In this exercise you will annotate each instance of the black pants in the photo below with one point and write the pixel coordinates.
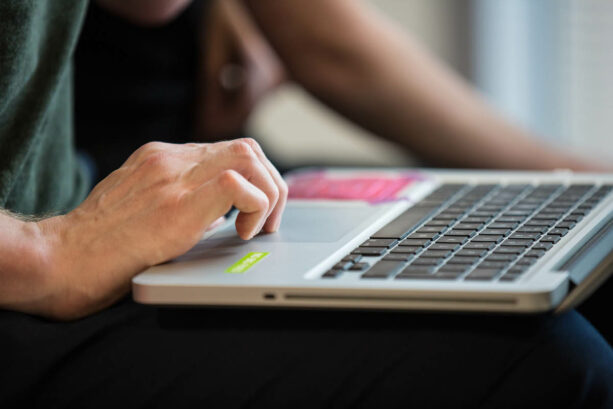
(134, 356)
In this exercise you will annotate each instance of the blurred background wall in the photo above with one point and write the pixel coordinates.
(544, 64)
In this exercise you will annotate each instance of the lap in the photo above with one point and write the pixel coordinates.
(137, 356)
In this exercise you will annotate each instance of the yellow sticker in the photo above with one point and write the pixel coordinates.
(246, 263)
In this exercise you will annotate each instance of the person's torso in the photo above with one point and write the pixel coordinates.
(39, 172)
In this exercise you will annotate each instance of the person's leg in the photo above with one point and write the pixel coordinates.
(135, 356)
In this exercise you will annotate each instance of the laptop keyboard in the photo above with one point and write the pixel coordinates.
(472, 233)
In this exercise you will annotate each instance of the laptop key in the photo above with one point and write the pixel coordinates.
(495, 232)
(484, 245)
(573, 218)
(332, 273)
(342, 265)
(422, 236)
(508, 278)
(471, 252)
(405, 223)
(517, 243)
(566, 224)
(452, 239)
(412, 270)
(461, 233)
(468, 226)
(441, 275)
(549, 215)
(535, 253)
(541, 222)
(430, 229)
(551, 239)
(354, 258)
(517, 269)
(359, 267)
(510, 219)
(414, 242)
(475, 219)
(487, 239)
(462, 260)
(384, 269)
(482, 274)
(398, 257)
(500, 225)
(435, 253)
(454, 268)
(427, 261)
(501, 257)
(525, 236)
(541, 245)
(532, 229)
(444, 246)
(526, 261)
(480, 213)
(379, 243)
(517, 213)
(442, 223)
(370, 251)
(500, 265)
(406, 249)
(509, 250)
(558, 232)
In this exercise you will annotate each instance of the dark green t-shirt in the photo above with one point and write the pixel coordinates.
(39, 172)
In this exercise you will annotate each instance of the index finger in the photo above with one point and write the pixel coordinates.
(274, 220)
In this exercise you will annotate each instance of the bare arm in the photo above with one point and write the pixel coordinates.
(146, 12)
(361, 65)
(154, 208)
(23, 282)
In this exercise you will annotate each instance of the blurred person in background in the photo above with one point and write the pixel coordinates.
(199, 77)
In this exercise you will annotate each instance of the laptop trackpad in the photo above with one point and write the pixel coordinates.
(306, 222)
(302, 223)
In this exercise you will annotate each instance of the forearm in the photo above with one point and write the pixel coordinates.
(145, 12)
(360, 65)
(402, 93)
(24, 280)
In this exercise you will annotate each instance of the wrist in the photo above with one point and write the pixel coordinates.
(84, 277)
(57, 257)
(23, 266)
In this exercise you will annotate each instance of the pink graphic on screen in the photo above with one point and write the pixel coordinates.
(373, 188)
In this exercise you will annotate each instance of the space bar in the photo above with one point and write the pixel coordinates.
(404, 224)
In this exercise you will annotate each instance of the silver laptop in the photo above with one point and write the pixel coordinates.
(517, 242)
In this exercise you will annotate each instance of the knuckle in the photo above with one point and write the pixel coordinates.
(156, 160)
(274, 195)
(151, 147)
(251, 142)
(283, 189)
(241, 148)
(228, 179)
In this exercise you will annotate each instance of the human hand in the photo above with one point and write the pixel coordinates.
(152, 209)
(238, 69)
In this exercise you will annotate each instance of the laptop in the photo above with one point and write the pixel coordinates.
(448, 240)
